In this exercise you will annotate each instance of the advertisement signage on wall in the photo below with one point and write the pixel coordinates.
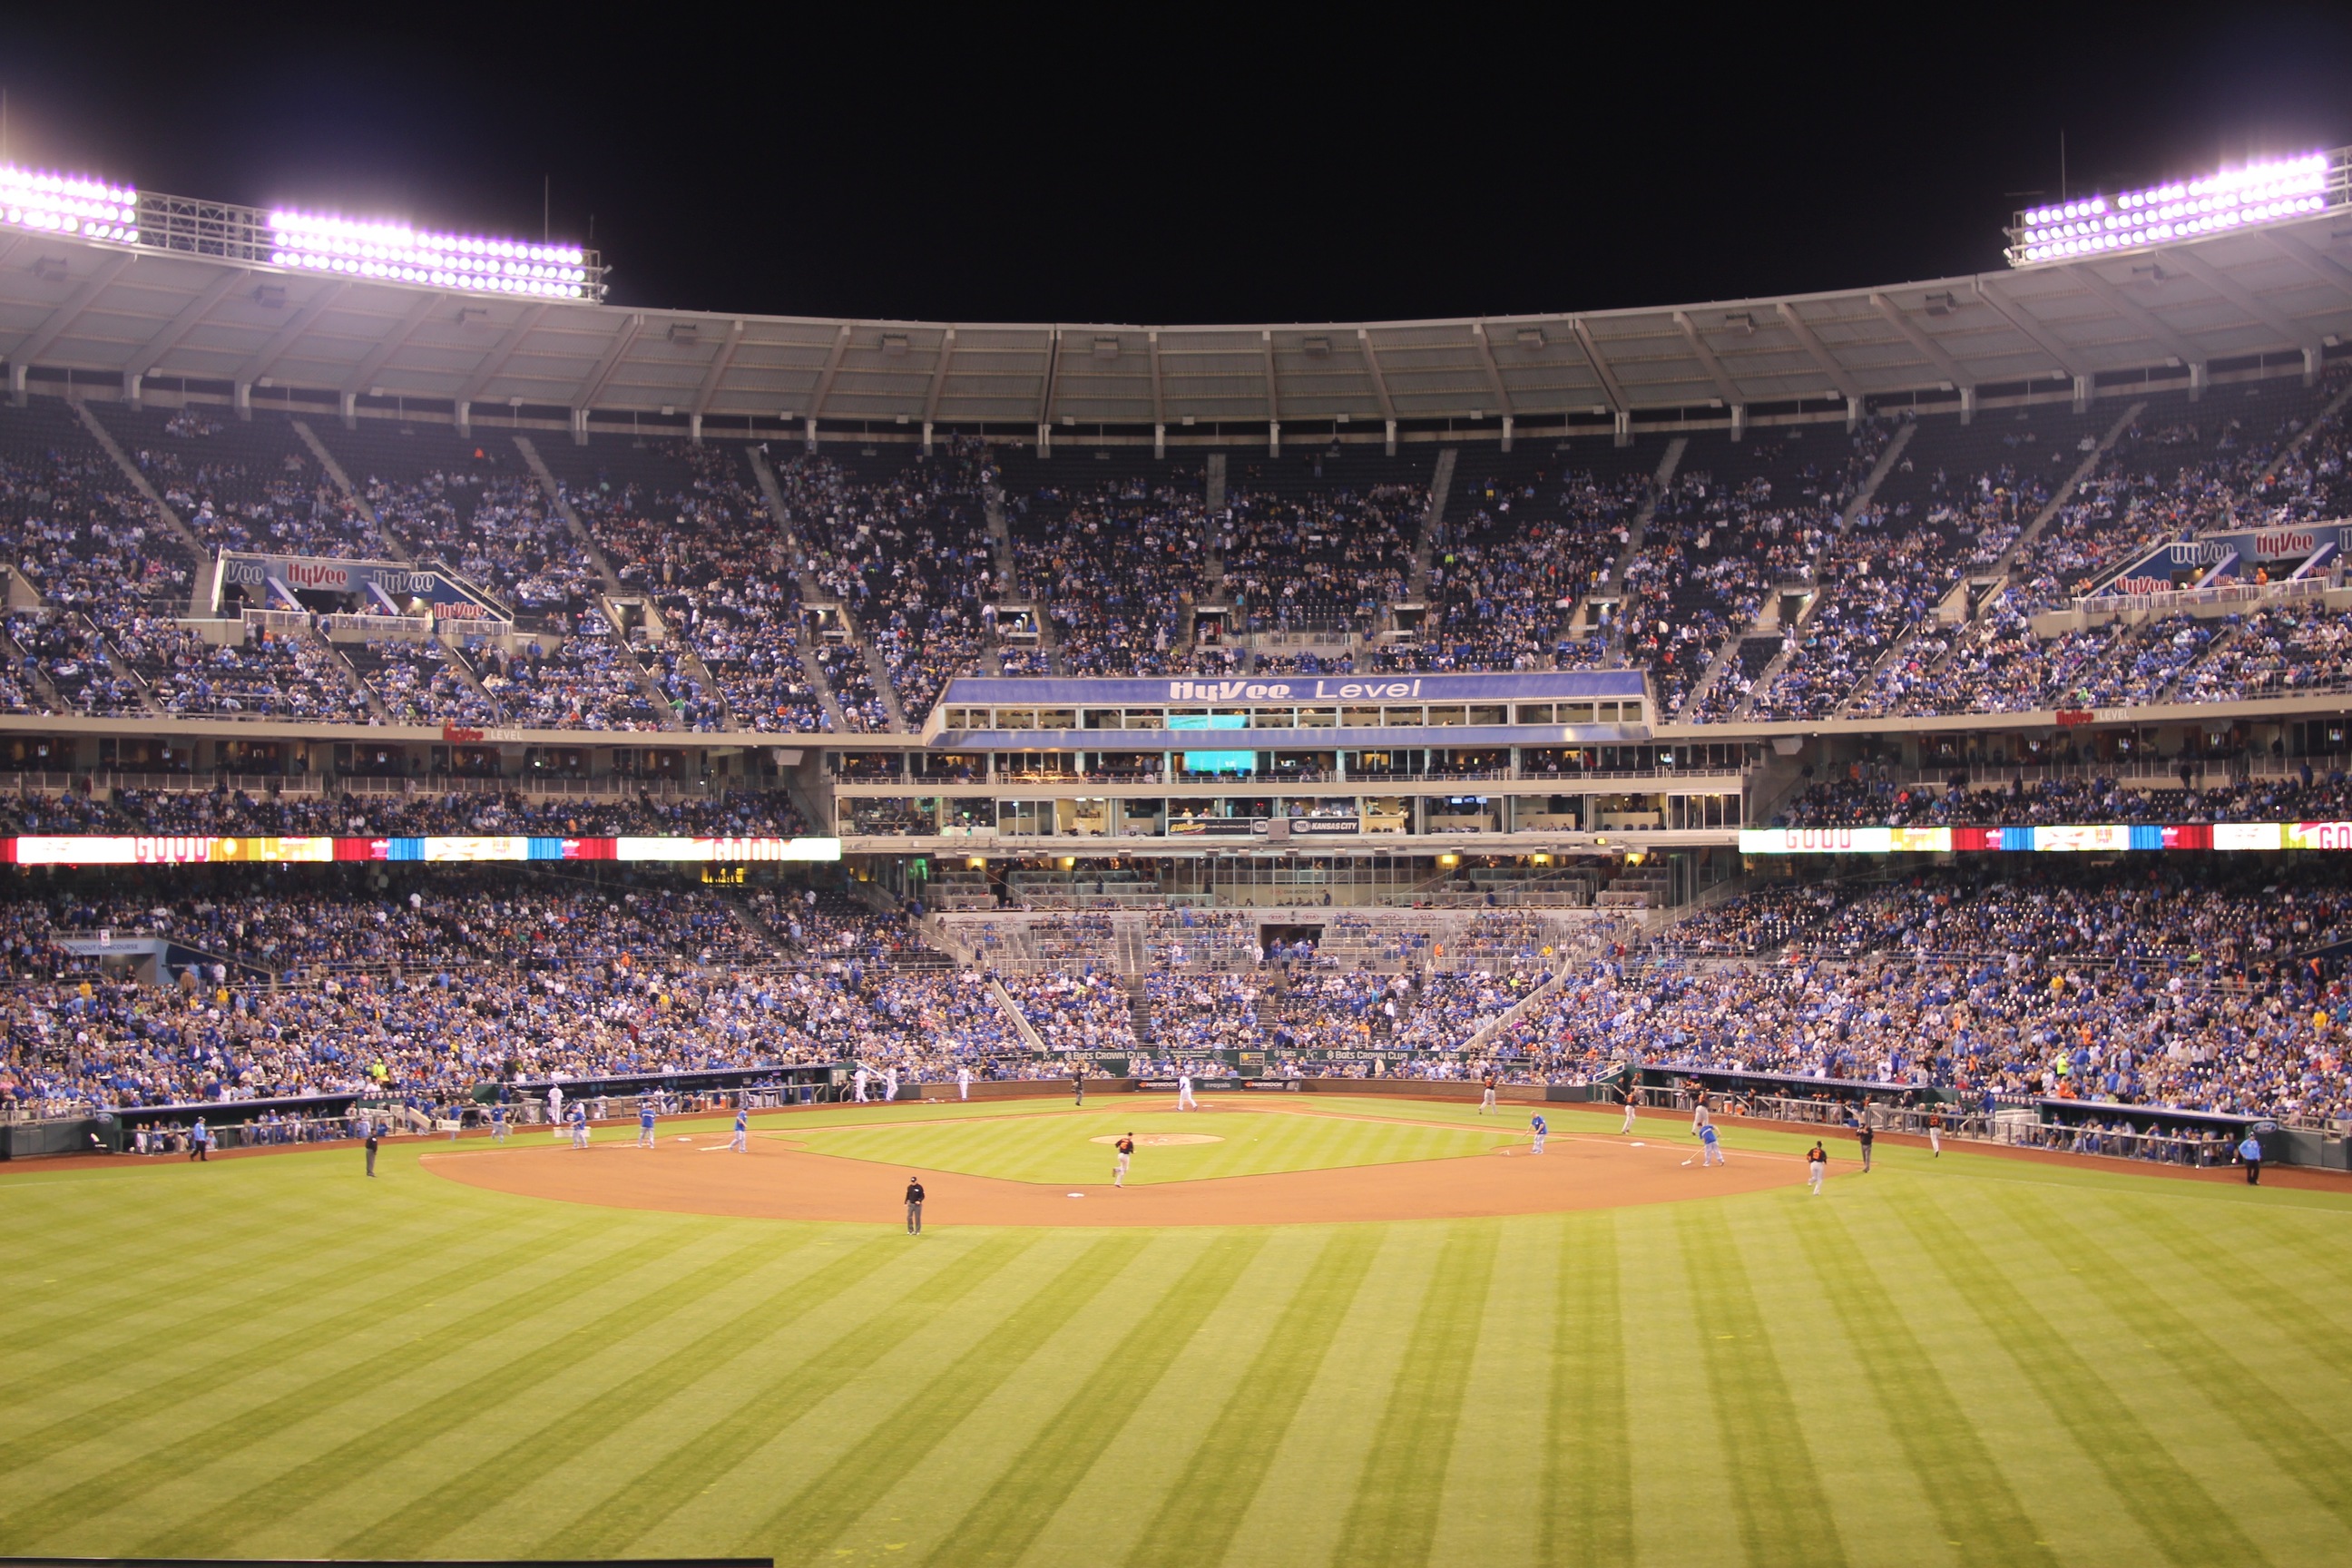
(198, 850)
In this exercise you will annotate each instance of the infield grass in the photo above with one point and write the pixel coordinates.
(1964, 1360)
(1062, 1149)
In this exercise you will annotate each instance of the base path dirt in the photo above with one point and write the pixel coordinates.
(775, 1180)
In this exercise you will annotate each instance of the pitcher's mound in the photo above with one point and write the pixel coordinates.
(1161, 1139)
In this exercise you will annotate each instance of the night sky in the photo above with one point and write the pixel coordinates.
(1172, 167)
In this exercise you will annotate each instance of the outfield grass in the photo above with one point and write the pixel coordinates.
(1061, 1149)
(1963, 1361)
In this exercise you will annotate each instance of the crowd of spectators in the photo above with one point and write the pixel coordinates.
(1866, 799)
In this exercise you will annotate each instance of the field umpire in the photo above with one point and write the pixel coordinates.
(914, 1206)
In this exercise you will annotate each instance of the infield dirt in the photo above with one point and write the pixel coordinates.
(777, 1181)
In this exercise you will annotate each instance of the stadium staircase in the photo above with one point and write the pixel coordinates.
(1634, 533)
(33, 674)
(392, 549)
(1433, 521)
(1020, 1023)
(1523, 1006)
(21, 594)
(554, 491)
(2065, 493)
(196, 548)
(812, 591)
(1852, 510)
(2334, 406)
(615, 611)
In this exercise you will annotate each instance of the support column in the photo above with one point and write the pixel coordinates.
(1739, 421)
(1968, 405)
(2198, 379)
(927, 437)
(580, 427)
(464, 418)
(1273, 437)
(349, 404)
(2082, 395)
(2311, 361)
(694, 428)
(1160, 440)
(1045, 439)
(242, 398)
(1625, 427)
(808, 428)
(1391, 438)
(130, 388)
(16, 383)
(1507, 431)
(1853, 415)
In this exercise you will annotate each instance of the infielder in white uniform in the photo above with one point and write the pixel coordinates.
(555, 1109)
(860, 1081)
(889, 1083)
(1184, 1100)
(963, 1083)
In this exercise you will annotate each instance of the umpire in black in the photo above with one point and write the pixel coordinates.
(914, 1206)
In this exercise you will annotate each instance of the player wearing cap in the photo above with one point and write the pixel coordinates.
(1542, 1131)
(1126, 1153)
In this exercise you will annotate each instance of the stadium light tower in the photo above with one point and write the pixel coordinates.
(2277, 190)
(386, 249)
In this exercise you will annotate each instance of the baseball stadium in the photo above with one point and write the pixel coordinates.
(705, 935)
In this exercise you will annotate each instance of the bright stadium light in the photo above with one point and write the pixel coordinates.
(397, 253)
(67, 203)
(2273, 191)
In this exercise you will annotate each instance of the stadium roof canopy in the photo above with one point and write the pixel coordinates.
(102, 312)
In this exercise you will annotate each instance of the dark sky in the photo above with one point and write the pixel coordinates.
(1209, 171)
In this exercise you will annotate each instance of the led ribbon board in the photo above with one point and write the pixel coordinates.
(2097, 837)
(2274, 191)
(203, 850)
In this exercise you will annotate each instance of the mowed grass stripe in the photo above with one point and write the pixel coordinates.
(416, 1524)
(2310, 1246)
(413, 1427)
(2180, 1515)
(803, 1527)
(1394, 1517)
(652, 1494)
(1588, 1478)
(2294, 1442)
(324, 1276)
(1776, 1490)
(225, 1372)
(208, 1443)
(1233, 1454)
(93, 1277)
(1039, 1481)
(1973, 1500)
(2251, 1287)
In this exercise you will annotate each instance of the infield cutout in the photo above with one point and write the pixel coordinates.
(1161, 1139)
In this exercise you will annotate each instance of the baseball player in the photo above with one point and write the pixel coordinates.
(1817, 1165)
(889, 1084)
(1936, 1134)
(646, 1120)
(963, 1083)
(499, 1121)
(555, 1109)
(1632, 1093)
(860, 1080)
(1126, 1153)
(1542, 1131)
(1184, 1100)
(741, 1143)
(579, 1125)
(1486, 1093)
(1865, 1136)
(1078, 1083)
(1710, 1152)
